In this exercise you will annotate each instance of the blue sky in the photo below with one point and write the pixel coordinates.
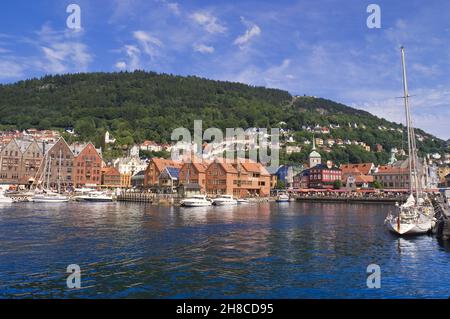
(320, 48)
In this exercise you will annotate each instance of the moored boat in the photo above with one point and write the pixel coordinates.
(196, 201)
(50, 197)
(98, 197)
(282, 198)
(416, 215)
(223, 200)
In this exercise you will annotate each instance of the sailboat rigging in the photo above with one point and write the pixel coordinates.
(416, 215)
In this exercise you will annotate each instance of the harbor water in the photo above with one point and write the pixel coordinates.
(265, 250)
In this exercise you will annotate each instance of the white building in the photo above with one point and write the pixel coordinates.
(109, 139)
(130, 165)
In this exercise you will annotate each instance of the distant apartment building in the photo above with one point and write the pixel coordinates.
(323, 176)
(58, 166)
(24, 162)
(129, 166)
(286, 173)
(20, 161)
(293, 149)
(240, 179)
(87, 165)
(111, 177)
(169, 179)
(155, 168)
(151, 146)
(392, 177)
(194, 173)
(301, 180)
(137, 180)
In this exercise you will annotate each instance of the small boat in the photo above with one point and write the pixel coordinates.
(98, 197)
(49, 197)
(282, 198)
(223, 200)
(243, 201)
(195, 201)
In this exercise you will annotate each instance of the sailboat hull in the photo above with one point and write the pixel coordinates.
(409, 229)
(50, 199)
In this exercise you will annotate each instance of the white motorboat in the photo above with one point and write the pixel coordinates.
(98, 197)
(223, 200)
(282, 198)
(243, 201)
(416, 215)
(195, 201)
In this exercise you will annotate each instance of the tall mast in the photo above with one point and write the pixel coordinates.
(49, 171)
(59, 172)
(411, 134)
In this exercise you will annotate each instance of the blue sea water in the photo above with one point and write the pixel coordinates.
(267, 250)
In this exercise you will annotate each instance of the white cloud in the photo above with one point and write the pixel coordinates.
(121, 65)
(62, 51)
(133, 53)
(209, 22)
(10, 69)
(202, 48)
(64, 56)
(252, 31)
(149, 43)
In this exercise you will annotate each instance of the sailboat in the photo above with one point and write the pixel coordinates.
(416, 215)
(47, 195)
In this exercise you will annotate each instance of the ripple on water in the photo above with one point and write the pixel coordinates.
(265, 250)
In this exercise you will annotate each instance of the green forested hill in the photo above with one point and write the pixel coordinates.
(145, 105)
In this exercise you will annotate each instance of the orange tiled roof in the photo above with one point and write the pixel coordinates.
(110, 171)
(391, 170)
(364, 168)
(162, 163)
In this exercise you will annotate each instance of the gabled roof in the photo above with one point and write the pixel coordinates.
(255, 168)
(364, 168)
(78, 148)
(162, 163)
(140, 173)
(324, 166)
(228, 168)
(110, 171)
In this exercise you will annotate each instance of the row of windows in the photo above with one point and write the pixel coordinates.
(5, 176)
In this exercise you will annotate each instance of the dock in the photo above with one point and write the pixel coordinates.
(343, 199)
(442, 214)
(150, 198)
(136, 197)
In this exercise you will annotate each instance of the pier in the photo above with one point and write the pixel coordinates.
(442, 214)
(151, 198)
(341, 199)
(337, 196)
